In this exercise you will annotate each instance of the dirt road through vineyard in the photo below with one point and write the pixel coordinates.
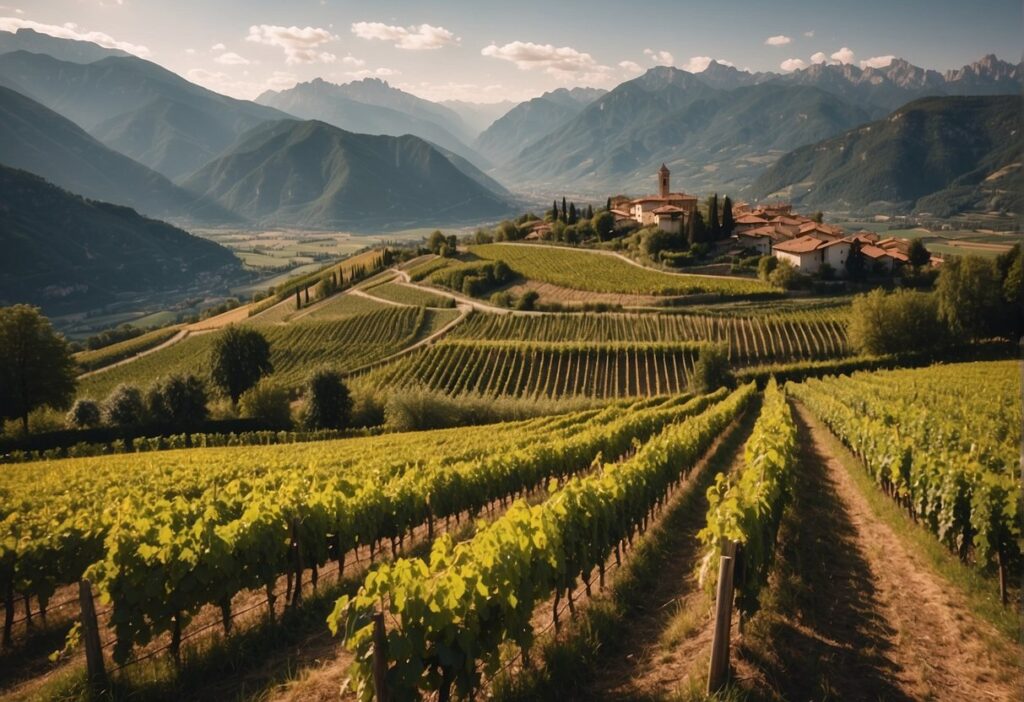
(857, 614)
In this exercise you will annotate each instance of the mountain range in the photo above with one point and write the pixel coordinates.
(72, 50)
(529, 121)
(372, 106)
(936, 155)
(710, 138)
(69, 254)
(37, 139)
(136, 107)
(312, 174)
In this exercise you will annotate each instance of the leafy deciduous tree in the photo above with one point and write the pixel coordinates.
(36, 367)
(328, 403)
(240, 357)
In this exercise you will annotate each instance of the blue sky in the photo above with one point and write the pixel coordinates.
(488, 51)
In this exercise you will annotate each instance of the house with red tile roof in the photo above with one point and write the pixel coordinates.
(808, 253)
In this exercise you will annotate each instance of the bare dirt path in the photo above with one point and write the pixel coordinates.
(180, 336)
(856, 614)
(666, 644)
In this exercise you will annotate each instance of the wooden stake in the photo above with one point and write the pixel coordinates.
(97, 674)
(719, 668)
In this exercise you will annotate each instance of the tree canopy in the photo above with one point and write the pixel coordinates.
(240, 357)
(36, 367)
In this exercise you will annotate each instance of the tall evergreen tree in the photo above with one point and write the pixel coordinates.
(565, 212)
(572, 214)
(608, 204)
(714, 228)
(590, 212)
(554, 210)
(728, 223)
(698, 230)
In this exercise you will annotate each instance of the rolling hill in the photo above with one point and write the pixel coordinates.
(529, 121)
(711, 139)
(313, 174)
(37, 139)
(940, 155)
(392, 112)
(69, 254)
(137, 107)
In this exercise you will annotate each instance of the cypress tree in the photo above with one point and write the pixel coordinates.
(714, 229)
(590, 212)
(572, 213)
(565, 212)
(298, 300)
(307, 295)
(554, 211)
(698, 230)
(727, 221)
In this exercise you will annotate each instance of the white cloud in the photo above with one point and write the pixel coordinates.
(660, 58)
(877, 61)
(69, 30)
(631, 67)
(243, 89)
(218, 47)
(793, 64)
(777, 40)
(844, 55)
(564, 63)
(190, 52)
(373, 73)
(699, 64)
(15, 10)
(351, 60)
(300, 44)
(414, 38)
(809, 34)
(232, 59)
(819, 57)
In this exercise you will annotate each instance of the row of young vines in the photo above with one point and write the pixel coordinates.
(177, 531)
(544, 370)
(453, 613)
(748, 339)
(944, 443)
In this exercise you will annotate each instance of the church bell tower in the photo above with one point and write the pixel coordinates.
(663, 181)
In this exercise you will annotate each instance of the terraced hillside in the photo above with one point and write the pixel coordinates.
(296, 348)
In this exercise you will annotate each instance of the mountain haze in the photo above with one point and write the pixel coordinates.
(68, 254)
(62, 49)
(710, 138)
(313, 174)
(940, 155)
(478, 116)
(338, 105)
(529, 121)
(137, 107)
(37, 139)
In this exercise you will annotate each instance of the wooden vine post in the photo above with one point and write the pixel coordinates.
(719, 669)
(380, 658)
(95, 670)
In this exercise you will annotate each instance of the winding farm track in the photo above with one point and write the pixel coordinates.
(180, 336)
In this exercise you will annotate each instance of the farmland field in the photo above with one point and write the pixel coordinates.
(584, 270)
(407, 295)
(296, 348)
